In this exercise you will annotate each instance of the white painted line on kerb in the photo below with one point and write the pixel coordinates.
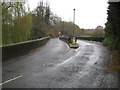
(11, 80)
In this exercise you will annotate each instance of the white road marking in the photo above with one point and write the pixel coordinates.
(11, 80)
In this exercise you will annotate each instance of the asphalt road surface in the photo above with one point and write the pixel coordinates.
(55, 65)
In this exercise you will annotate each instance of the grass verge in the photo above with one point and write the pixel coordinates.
(115, 60)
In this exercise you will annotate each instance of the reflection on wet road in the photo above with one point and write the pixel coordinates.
(55, 65)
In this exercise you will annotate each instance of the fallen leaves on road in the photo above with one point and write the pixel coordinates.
(114, 67)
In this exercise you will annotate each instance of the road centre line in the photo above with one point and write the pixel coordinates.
(11, 80)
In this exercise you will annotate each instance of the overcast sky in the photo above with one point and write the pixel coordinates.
(89, 13)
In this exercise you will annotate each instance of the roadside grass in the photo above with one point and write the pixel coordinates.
(85, 36)
(113, 43)
(115, 60)
(91, 36)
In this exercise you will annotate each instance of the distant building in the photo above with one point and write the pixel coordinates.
(99, 28)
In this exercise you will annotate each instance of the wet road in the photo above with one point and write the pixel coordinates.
(55, 65)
